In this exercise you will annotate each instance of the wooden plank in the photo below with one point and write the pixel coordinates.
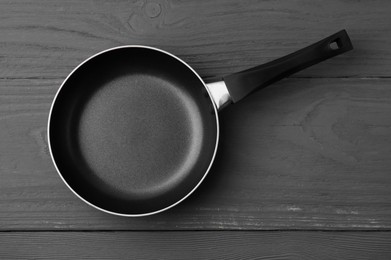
(47, 39)
(303, 154)
(195, 245)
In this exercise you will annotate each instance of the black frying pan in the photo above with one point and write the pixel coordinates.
(134, 130)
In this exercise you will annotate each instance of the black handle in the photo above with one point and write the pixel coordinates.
(243, 83)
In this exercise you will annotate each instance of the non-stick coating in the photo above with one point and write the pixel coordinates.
(133, 130)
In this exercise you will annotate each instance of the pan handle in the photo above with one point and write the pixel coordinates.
(239, 85)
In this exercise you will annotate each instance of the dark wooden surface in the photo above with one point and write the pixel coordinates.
(196, 245)
(312, 152)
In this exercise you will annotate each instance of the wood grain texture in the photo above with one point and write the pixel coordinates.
(302, 154)
(196, 245)
(47, 39)
(310, 153)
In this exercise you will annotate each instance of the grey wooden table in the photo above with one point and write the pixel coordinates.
(304, 167)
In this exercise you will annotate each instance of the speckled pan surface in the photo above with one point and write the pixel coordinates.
(133, 131)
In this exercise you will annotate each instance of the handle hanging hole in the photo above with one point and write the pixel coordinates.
(334, 45)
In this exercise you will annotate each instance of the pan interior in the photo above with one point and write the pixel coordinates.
(133, 130)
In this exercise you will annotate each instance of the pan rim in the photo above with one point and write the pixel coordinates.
(210, 163)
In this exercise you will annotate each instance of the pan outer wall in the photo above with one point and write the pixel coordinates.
(133, 131)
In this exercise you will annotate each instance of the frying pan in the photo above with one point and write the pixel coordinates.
(134, 130)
